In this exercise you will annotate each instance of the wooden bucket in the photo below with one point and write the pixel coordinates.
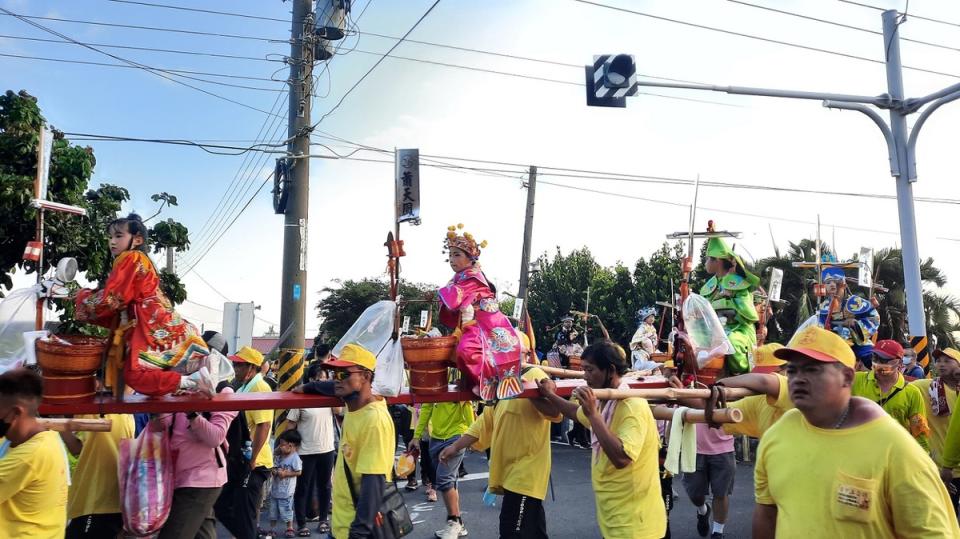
(69, 371)
(428, 361)
(575, 363)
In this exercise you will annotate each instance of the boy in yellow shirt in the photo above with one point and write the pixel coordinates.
(33, 473)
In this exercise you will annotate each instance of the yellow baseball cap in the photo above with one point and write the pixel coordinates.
(951, 353)
(248, 355)
(819, 344)
(353, 354)
(764, 360)
(668, 364)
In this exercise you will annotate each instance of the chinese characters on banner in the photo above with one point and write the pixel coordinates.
(408, 185)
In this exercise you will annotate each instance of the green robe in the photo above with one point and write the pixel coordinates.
(732, 299)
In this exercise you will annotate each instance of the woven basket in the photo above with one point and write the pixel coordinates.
(575, 363)
(82, 356)
(428, 360)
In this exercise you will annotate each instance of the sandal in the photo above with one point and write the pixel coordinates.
(324, 527)
(289, 533)
(304, 532)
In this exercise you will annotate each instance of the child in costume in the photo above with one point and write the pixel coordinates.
(854, 319)
(730, 292)
(158, 339)
(489, 351)
(644, 341)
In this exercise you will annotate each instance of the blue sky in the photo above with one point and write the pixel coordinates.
(454, 112)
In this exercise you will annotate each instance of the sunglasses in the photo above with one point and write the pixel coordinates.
(877, 358)
(344, 374)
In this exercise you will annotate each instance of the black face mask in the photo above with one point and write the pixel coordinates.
(4, 427)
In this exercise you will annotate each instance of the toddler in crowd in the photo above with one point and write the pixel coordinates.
(286, 468)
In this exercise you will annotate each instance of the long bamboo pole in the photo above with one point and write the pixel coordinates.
(720, 415)
(669, 393)
(75, 425)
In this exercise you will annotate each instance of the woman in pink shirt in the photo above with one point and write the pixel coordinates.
(199, 444)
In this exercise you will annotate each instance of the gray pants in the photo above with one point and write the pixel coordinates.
(191, 514)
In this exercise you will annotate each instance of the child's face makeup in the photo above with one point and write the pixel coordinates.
(459, 260)
(122, 240)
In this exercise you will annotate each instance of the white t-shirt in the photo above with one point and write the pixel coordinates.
(315, 426)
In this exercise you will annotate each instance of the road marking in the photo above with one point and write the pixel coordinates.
(474, 476)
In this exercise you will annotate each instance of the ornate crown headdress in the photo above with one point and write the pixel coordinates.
(464, 242)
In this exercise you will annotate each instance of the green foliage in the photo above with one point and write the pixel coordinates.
(341, 306)
(172, 287)
(169, 234)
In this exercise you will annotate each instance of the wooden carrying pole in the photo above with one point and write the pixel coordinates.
(669, 393)
(720, 415)
(75, 425)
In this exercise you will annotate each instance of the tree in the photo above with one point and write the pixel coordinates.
(340, 306)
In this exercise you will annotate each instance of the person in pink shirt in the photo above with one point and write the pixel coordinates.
(199, 443)
(716, 469)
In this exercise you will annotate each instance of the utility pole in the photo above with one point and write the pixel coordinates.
(527, 238)
(293, 298)
(170, 267)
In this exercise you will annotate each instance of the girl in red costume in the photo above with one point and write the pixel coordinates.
(158, 339)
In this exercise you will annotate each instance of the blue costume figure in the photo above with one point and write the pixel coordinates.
(851, 316)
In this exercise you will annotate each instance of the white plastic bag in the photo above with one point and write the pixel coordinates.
(705, 330)
(372, 330)
(812, 321)
(388, 377)
(18, 313)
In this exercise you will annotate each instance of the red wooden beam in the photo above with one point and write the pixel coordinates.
(278, 400)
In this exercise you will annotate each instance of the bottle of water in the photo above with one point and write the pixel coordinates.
(489, 498)
(248, 450)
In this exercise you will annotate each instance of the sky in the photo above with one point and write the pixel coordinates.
(520, 121)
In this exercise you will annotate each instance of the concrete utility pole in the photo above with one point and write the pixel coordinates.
(901, 148)
(293, 298)
(170, 267)
(527, 238)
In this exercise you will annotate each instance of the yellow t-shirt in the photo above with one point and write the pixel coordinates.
(760, 412)
(95, 488)
(938, 423)
(903, 403)
(367, 445)
(629, 504)
(33, 488)
(518, 436)
(256, 417)
(871, 481)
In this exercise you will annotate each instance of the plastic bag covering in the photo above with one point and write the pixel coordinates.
(705, 330)
(812, 321)
(146, 481)
(219, 366)
(388, 377)
(18, 312)
(372, 330)
(406, 465)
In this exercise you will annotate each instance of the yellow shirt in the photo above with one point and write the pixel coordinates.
(760, 412)
(445, 419)
(905, 407)
(518, 436)
(629, 504)
(33, 488)
(938, 423)
(871, 481)
(256, 417)
(367, 445)
(95, 488)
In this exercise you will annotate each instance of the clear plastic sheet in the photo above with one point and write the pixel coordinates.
(705, 330)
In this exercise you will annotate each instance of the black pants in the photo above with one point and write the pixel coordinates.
(191, 514)
(428, 472)
(522, 517)
(103, 526)
(955, 496)
(239, 501)
(314, 479)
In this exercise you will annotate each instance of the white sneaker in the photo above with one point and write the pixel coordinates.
(205, 383)
(453, 530)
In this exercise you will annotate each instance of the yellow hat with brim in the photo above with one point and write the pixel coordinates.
(668, 364)
(764, 360)
(818, 344)
(353, 354)
(248, 355)
(951, 353)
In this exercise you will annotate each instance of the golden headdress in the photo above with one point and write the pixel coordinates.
(464, 241)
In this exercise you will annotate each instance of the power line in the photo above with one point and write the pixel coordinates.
(88, 137)
(148, 49)
(142, 66)
(761, 38)
(219, 293)
(912, 16)
(197, 10)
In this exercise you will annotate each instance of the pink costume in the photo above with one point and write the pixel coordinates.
(489, 351)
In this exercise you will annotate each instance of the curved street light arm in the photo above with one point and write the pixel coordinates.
(884, 129)
(922, 119)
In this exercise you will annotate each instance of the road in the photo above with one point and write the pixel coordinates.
(570, 510)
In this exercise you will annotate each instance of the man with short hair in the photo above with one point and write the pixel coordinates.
(239, 502)
(910, 367)
(884, 384)
(367, 444)
(33, 473)
(837, 465)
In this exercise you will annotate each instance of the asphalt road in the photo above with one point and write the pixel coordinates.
(570, 509)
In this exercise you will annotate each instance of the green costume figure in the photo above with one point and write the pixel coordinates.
(730, 292)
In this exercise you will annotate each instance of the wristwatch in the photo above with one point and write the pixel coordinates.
(191, 416)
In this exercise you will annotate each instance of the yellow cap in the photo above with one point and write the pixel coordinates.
(248, 355)
(354, 354)
(668, 364)
(764, 360)
(951, 353)
(819, 344)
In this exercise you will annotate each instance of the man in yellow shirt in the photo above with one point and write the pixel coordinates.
(94, 496)
(886, 386)
(517, 431)
(33, 473)
(838, 466)
(940, 399)
(367, 444)
(239, 502)
(625, 442)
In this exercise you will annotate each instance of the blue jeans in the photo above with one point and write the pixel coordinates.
(446, 471)
(280, 509)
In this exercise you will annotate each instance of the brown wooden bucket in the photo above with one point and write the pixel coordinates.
(428, 361)
(69, 371)
(575, 363)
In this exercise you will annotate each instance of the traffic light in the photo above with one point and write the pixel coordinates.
(610, 79)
